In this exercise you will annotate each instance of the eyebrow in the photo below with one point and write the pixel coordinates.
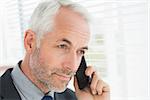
(69, 42)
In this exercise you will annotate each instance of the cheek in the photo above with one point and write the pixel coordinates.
(50, 59)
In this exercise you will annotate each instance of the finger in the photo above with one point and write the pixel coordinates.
(106, 91)
(102, 88)
(76, 84)
(89, 71)
(99, 87)
(94, 83)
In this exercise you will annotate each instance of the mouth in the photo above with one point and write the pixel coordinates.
(63, 77)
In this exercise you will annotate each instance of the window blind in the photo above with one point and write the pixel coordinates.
(11, 36)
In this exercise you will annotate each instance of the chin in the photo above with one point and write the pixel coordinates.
(59, 90)
(55, 87)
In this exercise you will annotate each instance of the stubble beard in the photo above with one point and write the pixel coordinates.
(46, 77)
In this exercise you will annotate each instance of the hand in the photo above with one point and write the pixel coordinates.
(98, 89)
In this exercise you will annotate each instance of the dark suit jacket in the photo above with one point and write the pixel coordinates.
(9, 92)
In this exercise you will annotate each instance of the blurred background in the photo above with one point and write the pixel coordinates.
(119, 46)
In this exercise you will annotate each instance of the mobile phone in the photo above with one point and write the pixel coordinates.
(82, 79)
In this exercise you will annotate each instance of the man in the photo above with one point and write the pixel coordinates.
(55, 42)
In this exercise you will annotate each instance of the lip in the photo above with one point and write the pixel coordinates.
(63, 77)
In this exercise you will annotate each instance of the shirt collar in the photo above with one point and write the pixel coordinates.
(25, 87)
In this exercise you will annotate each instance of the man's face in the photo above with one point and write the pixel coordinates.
(60, 52)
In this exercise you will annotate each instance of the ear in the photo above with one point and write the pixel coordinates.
(29, 41)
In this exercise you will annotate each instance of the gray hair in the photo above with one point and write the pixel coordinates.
(42, 18)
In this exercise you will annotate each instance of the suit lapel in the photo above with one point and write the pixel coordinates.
(8, 90)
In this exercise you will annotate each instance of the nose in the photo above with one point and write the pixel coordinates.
(71, 61)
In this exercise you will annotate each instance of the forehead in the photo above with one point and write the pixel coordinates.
(77, 39)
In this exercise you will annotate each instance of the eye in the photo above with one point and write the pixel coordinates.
(81, 52)
(62, 46)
